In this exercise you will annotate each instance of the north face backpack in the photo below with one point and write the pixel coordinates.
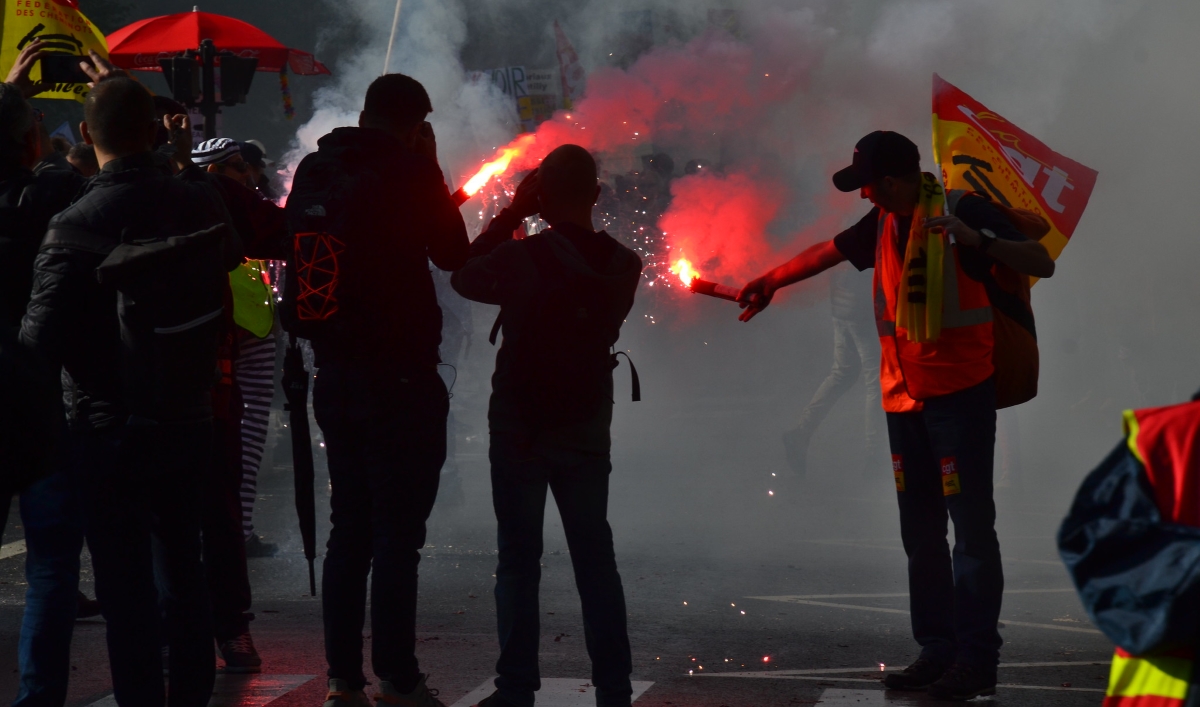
(315, 280)
(1015, 354)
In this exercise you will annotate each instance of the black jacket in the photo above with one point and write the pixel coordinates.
(72, 319)
(27, 203)
(402, 217)
(502, 271)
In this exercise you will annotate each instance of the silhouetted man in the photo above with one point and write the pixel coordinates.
(140, 439)
(377, 191)
(563, 295)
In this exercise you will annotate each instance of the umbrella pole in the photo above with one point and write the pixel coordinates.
(312, 578)
(387, 61)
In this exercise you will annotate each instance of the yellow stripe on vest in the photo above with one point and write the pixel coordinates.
(1158, 676)
(1131, 434)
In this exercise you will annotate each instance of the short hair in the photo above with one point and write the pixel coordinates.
(568, 176)
(60, 144)
(16, 118)
(397, 100)
(119, 112)
(83, 152)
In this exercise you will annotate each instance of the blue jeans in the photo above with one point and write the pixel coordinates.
(385, 439)
(51, 510)
(943, 459)
(142, 489)
(520, 480)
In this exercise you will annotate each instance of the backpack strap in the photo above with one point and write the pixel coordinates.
(636, 382)
(496, 328)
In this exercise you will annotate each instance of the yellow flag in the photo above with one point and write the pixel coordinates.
(61, 25)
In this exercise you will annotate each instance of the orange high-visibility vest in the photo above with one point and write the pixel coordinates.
(961, 356)
(1166, 440)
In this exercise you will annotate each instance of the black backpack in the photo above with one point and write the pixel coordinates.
(319, 208)
(170, 302)
(564, 357)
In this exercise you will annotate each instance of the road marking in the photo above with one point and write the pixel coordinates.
(555, 692)
(837, 697)
(240, 690)
(853, 543)
(875, 669)
(12, 549)
(789, 597)
(882, 610)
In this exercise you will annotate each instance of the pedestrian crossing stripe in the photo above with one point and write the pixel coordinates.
(555, 692)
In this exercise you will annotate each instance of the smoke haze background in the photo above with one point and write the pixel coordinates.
(1110, 84)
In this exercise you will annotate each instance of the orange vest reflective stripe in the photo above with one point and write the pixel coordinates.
(1153, 680)
(961, 356)
(1166, 441)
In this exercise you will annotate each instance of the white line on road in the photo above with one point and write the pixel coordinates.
(12, 549)
(872, 546)
(819, 678)
(555, 692)
(882, 610)
(789, 597)
(837, 697)
(241, 690)
(875, 669)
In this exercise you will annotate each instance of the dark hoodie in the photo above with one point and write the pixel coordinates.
(502, 271)
(402, 217)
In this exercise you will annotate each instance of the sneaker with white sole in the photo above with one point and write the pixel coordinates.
(421, 696)
(340, 695)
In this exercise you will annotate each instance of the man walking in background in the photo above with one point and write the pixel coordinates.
(855, 355)
(937, 379)
(563, 295)
(374, 195)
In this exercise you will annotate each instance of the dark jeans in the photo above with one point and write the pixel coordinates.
(141, 486)
(224, 543)
(385, 439)
(51, 510)
(519, 483)
(944, 454)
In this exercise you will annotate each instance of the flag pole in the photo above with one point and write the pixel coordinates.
(387, 61)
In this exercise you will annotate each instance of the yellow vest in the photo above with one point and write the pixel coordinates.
(253, 300)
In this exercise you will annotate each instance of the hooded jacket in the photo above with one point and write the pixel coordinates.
(502, 271)
(402, 217)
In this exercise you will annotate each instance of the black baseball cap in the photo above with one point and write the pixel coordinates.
(878, 155)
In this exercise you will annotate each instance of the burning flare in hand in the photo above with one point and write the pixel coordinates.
(683, 268)
(498, 166)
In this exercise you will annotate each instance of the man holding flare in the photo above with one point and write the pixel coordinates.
(934, 318)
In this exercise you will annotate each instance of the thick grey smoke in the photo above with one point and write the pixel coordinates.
(1107, 83)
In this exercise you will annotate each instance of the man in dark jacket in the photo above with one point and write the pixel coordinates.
(50, 505)
(566, 451)
(379, 399)
(140, 471)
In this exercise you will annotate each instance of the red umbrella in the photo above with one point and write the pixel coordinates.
(140, 45)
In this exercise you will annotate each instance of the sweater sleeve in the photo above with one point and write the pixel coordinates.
(482, 278)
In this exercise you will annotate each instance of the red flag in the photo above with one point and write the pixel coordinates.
(569, 68)
(979, 150)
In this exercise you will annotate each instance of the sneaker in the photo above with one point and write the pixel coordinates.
(420, 696)
(86, 608)
(918, 676)
(963, 682)
(340, 695)
(240, 655)
(255, 547)
(795, 448)
(492, 700)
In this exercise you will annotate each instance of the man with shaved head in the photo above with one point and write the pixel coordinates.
(140, 465)
(563, 295)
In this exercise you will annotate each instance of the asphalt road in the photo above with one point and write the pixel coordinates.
(737, 596)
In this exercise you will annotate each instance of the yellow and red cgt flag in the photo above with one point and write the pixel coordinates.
(61, 25)
(980, 151)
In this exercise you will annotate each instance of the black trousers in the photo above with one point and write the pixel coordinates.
(385, 439)
(942, 457)
(141, 485)
(520, 480)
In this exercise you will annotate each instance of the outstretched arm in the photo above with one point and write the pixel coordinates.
(811, 261)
